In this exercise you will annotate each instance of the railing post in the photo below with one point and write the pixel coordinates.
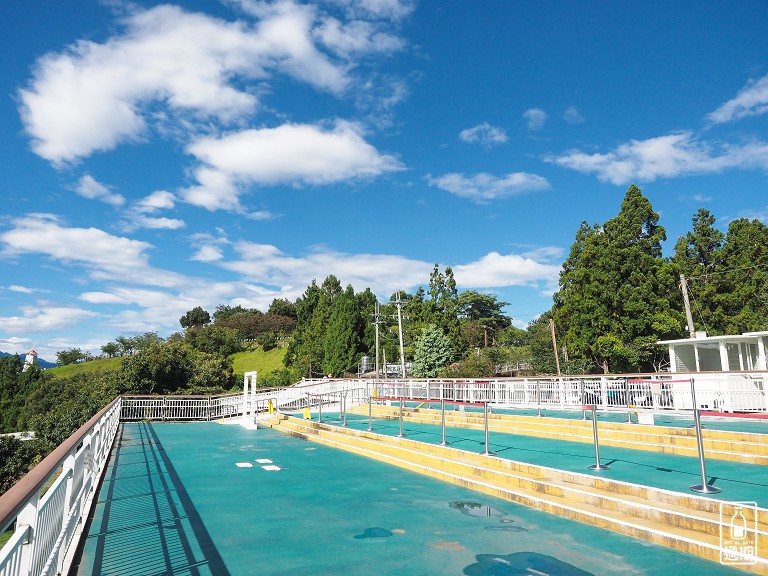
(596, 465)
(704, 487)
(443, 442)
(604, 391)
(28, 517)
(486, 452)
(400, 435)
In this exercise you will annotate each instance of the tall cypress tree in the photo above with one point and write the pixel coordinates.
(341, 340)
(614, 297)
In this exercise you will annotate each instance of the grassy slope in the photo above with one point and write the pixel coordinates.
(263, 362)
(100, 365)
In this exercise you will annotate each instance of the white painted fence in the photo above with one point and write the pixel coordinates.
(45, 515)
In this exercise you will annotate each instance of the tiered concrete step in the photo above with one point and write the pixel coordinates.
(681, 521)
(742, 447)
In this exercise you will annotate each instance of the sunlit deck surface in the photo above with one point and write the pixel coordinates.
(208, 498)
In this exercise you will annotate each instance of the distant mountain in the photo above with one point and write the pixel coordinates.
(40, 362)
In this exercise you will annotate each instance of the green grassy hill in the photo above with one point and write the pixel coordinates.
(100, 365)
(265, 363)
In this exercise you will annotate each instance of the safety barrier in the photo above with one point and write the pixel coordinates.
(45, 515)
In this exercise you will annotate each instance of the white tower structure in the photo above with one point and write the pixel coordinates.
(30, 359)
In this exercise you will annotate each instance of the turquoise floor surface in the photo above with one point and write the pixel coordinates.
(174, 501)
(738, 482)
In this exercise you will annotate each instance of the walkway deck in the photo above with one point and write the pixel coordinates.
(201, 498)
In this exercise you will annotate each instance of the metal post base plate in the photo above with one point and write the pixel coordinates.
(705, 489)
(598, 467)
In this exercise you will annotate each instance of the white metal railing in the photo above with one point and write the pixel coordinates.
(181, 407)
(44, 515)
(659, 392)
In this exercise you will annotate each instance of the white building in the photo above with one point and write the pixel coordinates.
(746, 352)
(30, 359)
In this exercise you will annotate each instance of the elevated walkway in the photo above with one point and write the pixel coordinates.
(677, 520)
(745, 447)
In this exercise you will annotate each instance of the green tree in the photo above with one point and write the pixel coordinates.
(341, 341)
(698, 257)
(741, 301)
(223, 312)
(195, 318)
(111, 349)
(433, 351)
(71, 356)
(614, 297)
(283, 307)
(214, 339)
(16, 459)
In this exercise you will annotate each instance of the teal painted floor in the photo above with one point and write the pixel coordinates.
(738, 482)
(174, 502)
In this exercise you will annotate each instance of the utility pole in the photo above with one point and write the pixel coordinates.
(399, 305)
(376, 321)
(687, 303)
(554, 344)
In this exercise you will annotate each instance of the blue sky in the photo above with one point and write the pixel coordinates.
(157, 157)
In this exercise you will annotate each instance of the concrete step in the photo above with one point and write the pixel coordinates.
(721, 445)
(685, 522)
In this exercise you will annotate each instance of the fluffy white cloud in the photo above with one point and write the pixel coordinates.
(484, 134)
(497, 270)
(573, 116)
(89, 187)
(15, 345)
(266, 264)
(752, 100)
(291, 153)
(105, 256)
(535, 118)
(44, 317)
(485, 187)
(356, 37)
(94, 96)
(142, 214)
(667, 156)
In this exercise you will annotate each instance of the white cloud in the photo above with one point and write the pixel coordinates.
(94, 96)
(208, 254)
(752, 100)
(142, 214)
(89, 187)
(497, 270)
(377, 9)
(43, 318)
(535, 117)
(105, 256)
(573, 116)
(288, 154)
(667, 156)
(484, 134)
(485, 187)
(14, 345)
(158, 200)
(20, 289)
(356, 37)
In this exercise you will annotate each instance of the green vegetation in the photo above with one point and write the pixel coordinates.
(90, 367)
(267, 363)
